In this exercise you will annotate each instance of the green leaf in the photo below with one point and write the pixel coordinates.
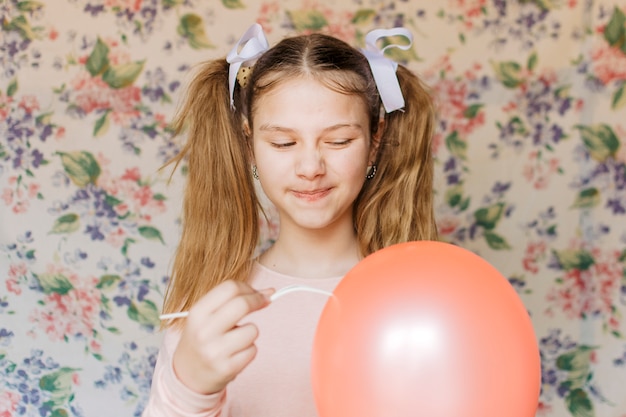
(102, 125)
(81, 167)
(151, 233)
(495, 241)
(579, 404)
(570, 259)
(112, 201)
(615, 30)
(59, 384)
(191, 27)
(98, 60)
(68, 223)
(456, 145)
(114, 330)
(488, 217)
(472, 111)
(532, 61)
(233, 4)
(508, 73)
(397, 54)
(307, 20)
(29, 6)
(127, 242)
(144, 312)
(12, 88)
(59, 412)
(108, 281)
(542, 4)
(600, 140)
(363, 16)
(21, 25)
(454, 195)
(123, 75)
(54, 283)
(576, 359)
(619, 97)
(587, 198)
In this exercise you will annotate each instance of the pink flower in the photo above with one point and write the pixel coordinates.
(7, 196)
(132, 174)
(609, 63)
(116, 237)
(543, 409)
(18, 270)
(538, 171)
(20, 207)
(33, 190)
(92, 94)
(534, 251)
(13, 286)
(593, 291)
(71, 314)
(8, 403)
(60, 133)
(448, 225)
(95, 346)
(29, 104)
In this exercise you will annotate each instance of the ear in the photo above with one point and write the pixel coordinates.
(375, 142)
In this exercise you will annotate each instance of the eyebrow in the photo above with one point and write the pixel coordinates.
(275, 128)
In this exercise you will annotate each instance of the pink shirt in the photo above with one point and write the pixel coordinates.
(277, 383)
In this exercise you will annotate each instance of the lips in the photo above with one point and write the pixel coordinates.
(312, 195)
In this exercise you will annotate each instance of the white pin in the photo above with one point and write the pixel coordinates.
(285, 290)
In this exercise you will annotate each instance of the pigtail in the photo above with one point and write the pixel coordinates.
(220, 228)
(397, 204)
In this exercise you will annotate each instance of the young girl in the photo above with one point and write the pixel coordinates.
(340, 141)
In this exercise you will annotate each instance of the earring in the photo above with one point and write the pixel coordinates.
(255, 173)
(371, 172)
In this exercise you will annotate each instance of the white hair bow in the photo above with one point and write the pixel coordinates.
(383, 68)
(252, 44)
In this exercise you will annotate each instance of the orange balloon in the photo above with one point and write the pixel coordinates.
(425, 329)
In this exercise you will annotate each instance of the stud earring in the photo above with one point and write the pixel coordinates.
(255, 173)
(371, 172)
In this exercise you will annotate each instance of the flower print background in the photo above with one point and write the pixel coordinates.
(530, 161)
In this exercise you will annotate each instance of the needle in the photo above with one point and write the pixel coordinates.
(285, 290)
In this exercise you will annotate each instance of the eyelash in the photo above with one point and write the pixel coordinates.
(284, 145)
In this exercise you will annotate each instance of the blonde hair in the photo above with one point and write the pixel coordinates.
(221, 210)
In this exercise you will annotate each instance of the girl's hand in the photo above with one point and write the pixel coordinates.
(213, 347)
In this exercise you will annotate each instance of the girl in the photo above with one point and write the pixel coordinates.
(340, 141)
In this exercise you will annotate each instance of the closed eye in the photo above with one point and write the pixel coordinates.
(282, 145)
(340, 142)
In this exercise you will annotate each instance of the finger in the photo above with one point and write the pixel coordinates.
(239, 338)
(233, 311)
(242, 359)
(221, 294)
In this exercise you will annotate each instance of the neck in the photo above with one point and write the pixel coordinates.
(304, 253)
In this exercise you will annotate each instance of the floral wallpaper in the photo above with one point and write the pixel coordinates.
(531, 175)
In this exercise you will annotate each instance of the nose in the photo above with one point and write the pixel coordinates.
(310, 163)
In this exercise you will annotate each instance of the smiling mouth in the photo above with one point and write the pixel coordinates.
(313, 195)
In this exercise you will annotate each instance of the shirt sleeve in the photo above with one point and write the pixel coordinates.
(169, 397)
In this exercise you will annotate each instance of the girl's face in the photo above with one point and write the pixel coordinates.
(311, 147)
